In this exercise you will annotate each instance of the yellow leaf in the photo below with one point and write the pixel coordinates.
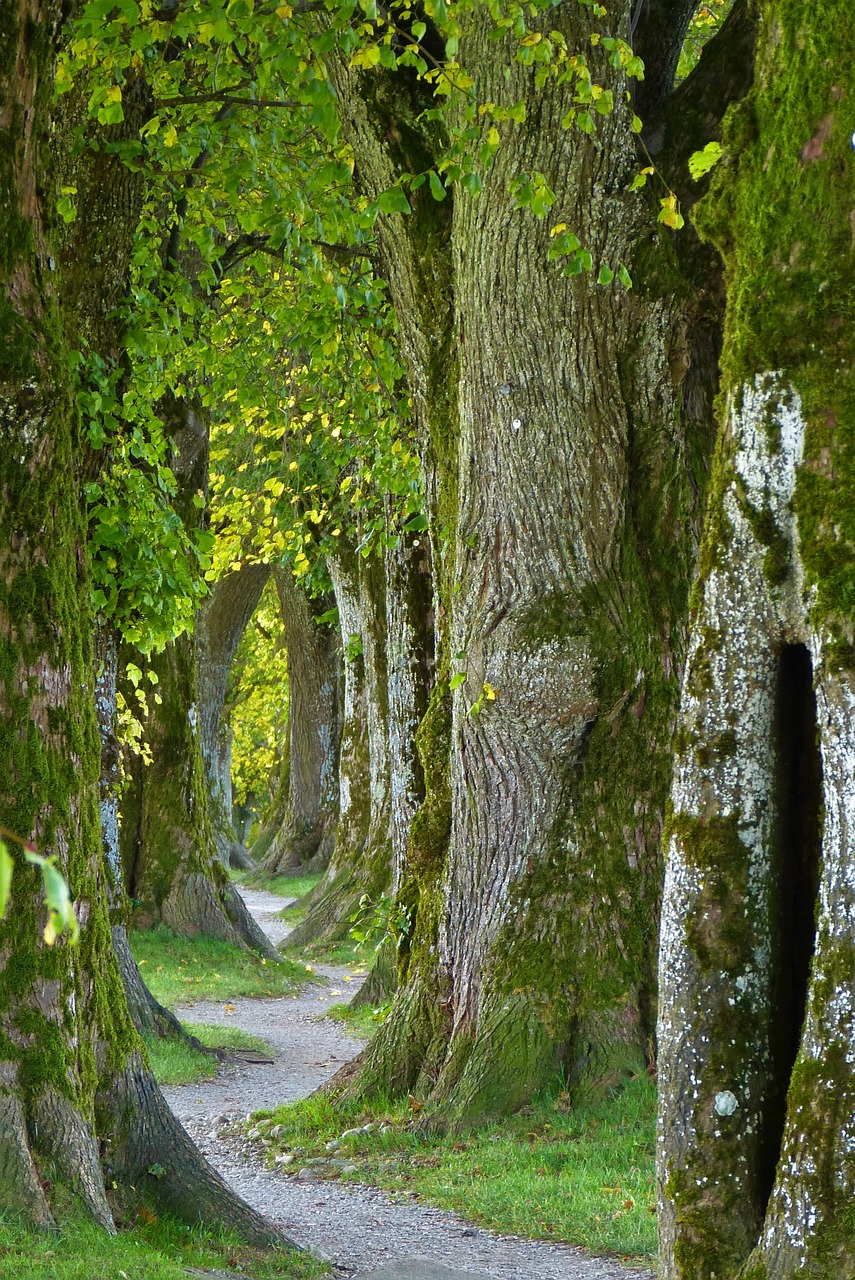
(558, 228)
(114, 93)
(284, 11)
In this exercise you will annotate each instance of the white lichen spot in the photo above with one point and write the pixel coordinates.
(726, 1103)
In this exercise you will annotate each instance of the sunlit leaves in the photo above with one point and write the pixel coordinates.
(701, 162)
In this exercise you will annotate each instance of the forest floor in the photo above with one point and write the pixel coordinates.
(361, 1230)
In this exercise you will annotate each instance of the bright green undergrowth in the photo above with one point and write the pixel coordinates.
(182, 970)
(582, 1174)
(177, 1062)
(362, 1022)
(149, 1250)
(283, 886)
(345, 951)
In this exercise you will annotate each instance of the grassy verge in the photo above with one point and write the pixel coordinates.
(282, 886)
(362, 1022)
(584, 1175)
(344, 952)
(158, 1250)
(175, 1062)
(182, 970)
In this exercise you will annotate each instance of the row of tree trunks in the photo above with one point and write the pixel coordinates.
(757, 1002)
(220, 622)
(360, 861)
(74, 1083)
(302, 833)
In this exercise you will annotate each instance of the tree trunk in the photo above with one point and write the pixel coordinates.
(307, 806)
(220, 622)
(73, 1077)
(757, 1021)
(148, 1015)
(172, 870)
(564, 430)
(361, 862)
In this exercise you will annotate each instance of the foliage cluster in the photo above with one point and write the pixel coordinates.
(256, 708)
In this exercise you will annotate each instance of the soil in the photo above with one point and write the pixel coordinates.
(358, 1228)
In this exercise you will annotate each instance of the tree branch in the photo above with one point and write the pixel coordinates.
(658, 29)
(691, 116)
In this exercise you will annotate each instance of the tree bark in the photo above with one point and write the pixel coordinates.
(220, 622)
(172, 869)
(360, 863)
(148, 1015)
(757, 1021)
(564, 428)
(306, 810)
(67, 1037)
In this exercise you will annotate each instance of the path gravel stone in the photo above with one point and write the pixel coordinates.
(363, 1231)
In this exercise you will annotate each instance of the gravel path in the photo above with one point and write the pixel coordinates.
(358, 1228)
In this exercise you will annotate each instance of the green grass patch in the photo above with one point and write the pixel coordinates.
(182, 970)
(362, 1022)
(584, 1175)
(282, 886)
(158, 1250)
(176, 1062)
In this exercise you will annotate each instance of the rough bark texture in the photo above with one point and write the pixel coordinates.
(361, 862)
(564, 430)
(66, 1038)
(303, 830)
(220, 622)
(148, 1015)
(757, 1022)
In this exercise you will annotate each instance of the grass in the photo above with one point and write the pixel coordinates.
(345, 951)
(148, 1250)
(282, 886)
(584, 1175)
(362, 1022)
(176, 1062)
(183, 970)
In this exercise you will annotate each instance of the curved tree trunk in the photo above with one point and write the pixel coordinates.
(148, 1015)
(564, 428)
(361, 863)
(220, 622)
(172, 870)
(757, 1022)
(73, 1079)
(302, 831)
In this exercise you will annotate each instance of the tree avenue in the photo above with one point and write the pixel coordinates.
(455, 308)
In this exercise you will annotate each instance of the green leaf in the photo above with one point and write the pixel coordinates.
(457, 680)
(437, 190)
(700, 162)
(393, 201)
(605, 274)
(624, 277)
(6, 866)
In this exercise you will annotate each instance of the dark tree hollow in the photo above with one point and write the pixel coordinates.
(796, 867)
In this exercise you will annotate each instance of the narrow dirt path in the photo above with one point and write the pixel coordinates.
(358, 1228)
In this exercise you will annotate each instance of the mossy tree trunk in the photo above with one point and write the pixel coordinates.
(302, 833)
(220, 622)
(757, 1022)
(564, 431)
(148, 1015)
(173, 871)
(361, 862)
(75, 1089)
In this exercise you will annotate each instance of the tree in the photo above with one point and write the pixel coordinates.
(305, 813)
(563, 425)
(220, 623)
(757, 1024)
(76, 1087)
